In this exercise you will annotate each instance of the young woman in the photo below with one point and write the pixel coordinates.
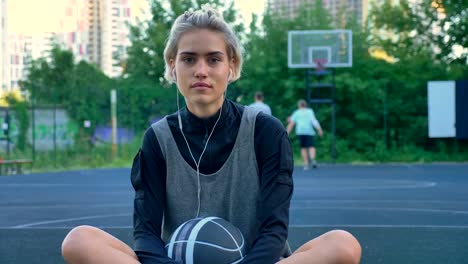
(213, 157)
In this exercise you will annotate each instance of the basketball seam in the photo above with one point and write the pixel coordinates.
(171, 242)
(233, 239)
(207, 244)
(193, 227)
(192, 238)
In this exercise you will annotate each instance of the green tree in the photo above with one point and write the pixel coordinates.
(81, 89)
(432, 28)
(48, 77)
(89, 96)
(422, 37)
(21, 115)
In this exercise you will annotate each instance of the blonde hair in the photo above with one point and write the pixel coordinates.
(205, 18)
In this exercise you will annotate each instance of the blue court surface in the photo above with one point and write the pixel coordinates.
(399, 213)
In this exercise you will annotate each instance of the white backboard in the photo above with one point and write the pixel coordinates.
(306, 47)
(441, 109)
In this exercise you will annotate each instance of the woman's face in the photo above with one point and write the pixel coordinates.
(202, 69)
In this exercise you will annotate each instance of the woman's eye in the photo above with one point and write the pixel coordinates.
(213, 60)
(188, 60)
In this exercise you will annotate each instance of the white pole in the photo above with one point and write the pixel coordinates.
(113, 98)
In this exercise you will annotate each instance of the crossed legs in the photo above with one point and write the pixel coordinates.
(87, 245)
(337, 247)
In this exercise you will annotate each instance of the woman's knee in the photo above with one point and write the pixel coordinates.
(346, 246)
(77, 240)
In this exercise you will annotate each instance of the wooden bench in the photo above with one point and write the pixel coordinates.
(16, 166)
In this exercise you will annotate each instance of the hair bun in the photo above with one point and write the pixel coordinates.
(211, 11)
(188, 14)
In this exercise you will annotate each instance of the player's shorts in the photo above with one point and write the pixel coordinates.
(306, 141)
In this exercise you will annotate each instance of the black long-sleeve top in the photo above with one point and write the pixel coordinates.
(275, 163)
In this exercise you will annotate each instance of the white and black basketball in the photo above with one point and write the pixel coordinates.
(206, 240)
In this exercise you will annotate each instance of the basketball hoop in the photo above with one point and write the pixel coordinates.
(333, 47)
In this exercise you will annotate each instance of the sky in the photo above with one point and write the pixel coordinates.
(35, 16)
(32, 16)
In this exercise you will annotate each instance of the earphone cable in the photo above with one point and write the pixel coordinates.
(197, 164)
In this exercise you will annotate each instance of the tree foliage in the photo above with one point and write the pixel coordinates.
(379, 104)
(434, 28)
(79, 88)
(20, 108)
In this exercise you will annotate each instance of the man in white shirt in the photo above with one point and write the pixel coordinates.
(259, 104)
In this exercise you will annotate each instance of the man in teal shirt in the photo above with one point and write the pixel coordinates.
(305, 122)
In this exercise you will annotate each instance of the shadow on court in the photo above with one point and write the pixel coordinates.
(399, 213)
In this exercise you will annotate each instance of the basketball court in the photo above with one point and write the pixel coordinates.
(400, 213)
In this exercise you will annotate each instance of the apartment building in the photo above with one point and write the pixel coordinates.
(23, 48)
(94, 30)
(73, 30)
(108, 34)
(4, 55)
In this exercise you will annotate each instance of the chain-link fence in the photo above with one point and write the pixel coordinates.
(52, 139)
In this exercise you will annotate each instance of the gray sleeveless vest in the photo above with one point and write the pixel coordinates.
(230, 193)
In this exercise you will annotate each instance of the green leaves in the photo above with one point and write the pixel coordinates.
(433, 28)
(81, 89)
(379, 105)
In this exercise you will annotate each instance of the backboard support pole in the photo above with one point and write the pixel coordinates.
(312, 99)
(315, 49)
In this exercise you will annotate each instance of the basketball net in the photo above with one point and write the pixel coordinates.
(320, 66)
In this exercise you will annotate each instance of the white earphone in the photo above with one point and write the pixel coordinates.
(230, 75)
(174, 77)
(197, 164)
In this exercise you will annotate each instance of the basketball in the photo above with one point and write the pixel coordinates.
(206, 240)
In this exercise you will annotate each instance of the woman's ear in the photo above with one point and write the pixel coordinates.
(232, 66)
(173, 71)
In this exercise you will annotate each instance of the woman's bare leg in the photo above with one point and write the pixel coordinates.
(87, 244)
(335, 247)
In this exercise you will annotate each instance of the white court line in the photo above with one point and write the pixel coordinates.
(379, 209)
(414, 185)
(59, 185)
(376, 201)
(62, 227)
(413, 167)
(293, 202)
(383, 226)
(68, 220)
(290, 226)
(66, 206)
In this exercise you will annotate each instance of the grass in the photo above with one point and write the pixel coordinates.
(84, 156)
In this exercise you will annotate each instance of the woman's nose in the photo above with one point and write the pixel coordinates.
(201, 69)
